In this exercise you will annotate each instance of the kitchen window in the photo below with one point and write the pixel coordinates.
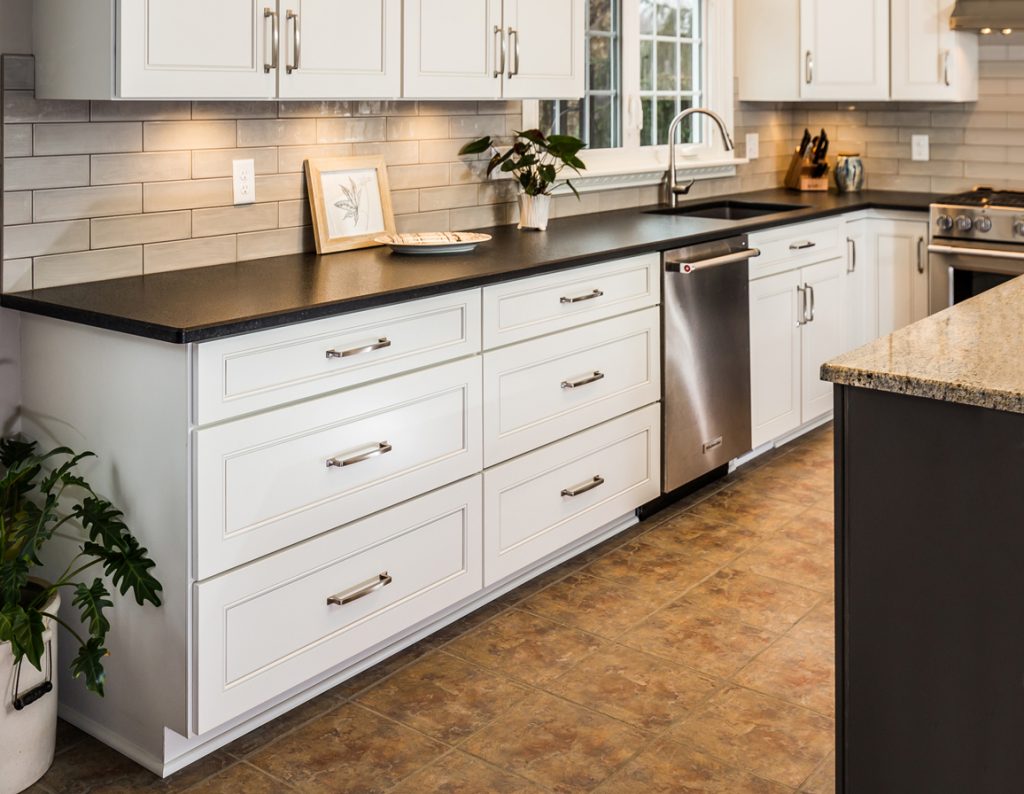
(646, 60)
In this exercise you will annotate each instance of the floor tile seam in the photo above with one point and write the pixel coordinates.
(777, 696)
(413, 728)
(245, 756)
(821, 596)
(453, 751)
(818, 768)
(726, 763)
(241, 762)
(643, 592)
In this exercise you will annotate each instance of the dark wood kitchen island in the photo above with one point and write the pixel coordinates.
(929, 435)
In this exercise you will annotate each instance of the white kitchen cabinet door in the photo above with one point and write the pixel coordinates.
(860, 313)
(845, 49)
(774, 356)
(194, 49)
(930, 62)
(346, 48)
(822, 334)
(899, 250)
(545, 40)
(453, 49)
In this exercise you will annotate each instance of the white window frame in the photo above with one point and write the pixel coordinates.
(633, 164)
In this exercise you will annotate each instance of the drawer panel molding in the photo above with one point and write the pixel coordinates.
(279, 622)
(539, 391)
(261, 370)
(539, 305)
(542, 502)
(266, 481)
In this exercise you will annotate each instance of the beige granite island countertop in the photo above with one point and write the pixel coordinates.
(971, 353)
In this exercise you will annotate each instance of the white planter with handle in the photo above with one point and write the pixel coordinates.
(28, 734)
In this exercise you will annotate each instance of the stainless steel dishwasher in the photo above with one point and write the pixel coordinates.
(706, 358)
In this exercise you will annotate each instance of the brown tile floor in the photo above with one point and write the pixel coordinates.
(694, 653)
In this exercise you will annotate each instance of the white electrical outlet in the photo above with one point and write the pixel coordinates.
(244, 173)
(753, 145)
(920, 148)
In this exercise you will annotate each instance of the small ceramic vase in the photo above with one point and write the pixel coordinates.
(534, 211)
(849, 173)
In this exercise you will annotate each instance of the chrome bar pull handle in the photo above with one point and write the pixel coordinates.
(810, 290)
(852, 266)
(802, 246)
(380, 344)
(383, 448)
(383, 579)
(588, 297)
(801, 297)
(513, 68)
(920, 256)
(275, 46)
(575, 384)
(945, 68)
(589, 485)
(809, 67)
(499, 51)
(293, 17)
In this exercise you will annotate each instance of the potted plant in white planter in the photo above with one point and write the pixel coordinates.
(38, 494)
(534, 160)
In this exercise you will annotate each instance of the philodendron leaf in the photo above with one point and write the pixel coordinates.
(24, 630)
(565, 144)
(128, 567)
(91, 601)
(89, 663)
(534, 136)
(13, 577)
(478, 146)
(572, 187)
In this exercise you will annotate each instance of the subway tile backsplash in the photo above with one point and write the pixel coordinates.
(98, 190)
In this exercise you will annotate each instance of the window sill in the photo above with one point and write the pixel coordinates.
(609, 176)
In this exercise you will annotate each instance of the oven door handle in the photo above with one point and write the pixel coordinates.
(987, 253)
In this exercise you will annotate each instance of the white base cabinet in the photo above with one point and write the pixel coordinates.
(316, 495)
(900, 251)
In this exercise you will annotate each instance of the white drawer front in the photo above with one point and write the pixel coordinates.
(795, 246)
(526, 515)
(528, 401)
(255, 371)
(267, 627)
(539, 305)
(263, 482)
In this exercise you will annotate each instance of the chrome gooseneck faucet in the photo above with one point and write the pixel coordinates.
(675, 190)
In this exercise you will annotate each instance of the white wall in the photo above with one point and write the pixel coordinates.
(15, 37)
(16, 27)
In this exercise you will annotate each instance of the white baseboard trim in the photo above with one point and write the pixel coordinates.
(768, 446)
(181, 751)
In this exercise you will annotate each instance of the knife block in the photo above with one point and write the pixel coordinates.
(799, 176)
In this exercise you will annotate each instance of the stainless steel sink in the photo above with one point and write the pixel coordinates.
(727, 210)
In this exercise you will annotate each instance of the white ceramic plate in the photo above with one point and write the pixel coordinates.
(433, 242)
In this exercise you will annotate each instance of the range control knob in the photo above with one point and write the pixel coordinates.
(964, 223)
(944, 223)
(1018, 228)
(983, 224)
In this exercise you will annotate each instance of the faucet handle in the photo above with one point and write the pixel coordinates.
(684, 189)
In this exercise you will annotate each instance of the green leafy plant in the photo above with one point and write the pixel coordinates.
(32, 486)
(535, 160)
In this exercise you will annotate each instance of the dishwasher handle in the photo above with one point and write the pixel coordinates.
(686, 267)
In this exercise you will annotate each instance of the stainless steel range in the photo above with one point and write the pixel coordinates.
(977, 242)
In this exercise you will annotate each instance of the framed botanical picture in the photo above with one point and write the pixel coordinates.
(350, 202)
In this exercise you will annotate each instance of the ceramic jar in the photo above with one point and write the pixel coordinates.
(849, 173)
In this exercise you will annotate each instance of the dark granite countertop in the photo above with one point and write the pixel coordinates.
(212, 302)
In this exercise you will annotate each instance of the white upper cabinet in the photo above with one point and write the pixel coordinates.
(192, 48)
(487, 49)
(844, 49)
(853, 51)
(350, 48)
(454, 48)
(929, 60)
(545, 40)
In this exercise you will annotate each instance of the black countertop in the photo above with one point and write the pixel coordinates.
(212, 302)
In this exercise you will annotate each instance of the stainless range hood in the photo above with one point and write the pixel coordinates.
(988, 16)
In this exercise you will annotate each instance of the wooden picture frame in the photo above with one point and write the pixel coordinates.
(350, 202)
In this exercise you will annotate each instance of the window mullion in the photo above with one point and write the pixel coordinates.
(628, 99)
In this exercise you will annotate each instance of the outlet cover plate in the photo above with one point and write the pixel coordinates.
(753, 145)
(244, 181)
(920, 148)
